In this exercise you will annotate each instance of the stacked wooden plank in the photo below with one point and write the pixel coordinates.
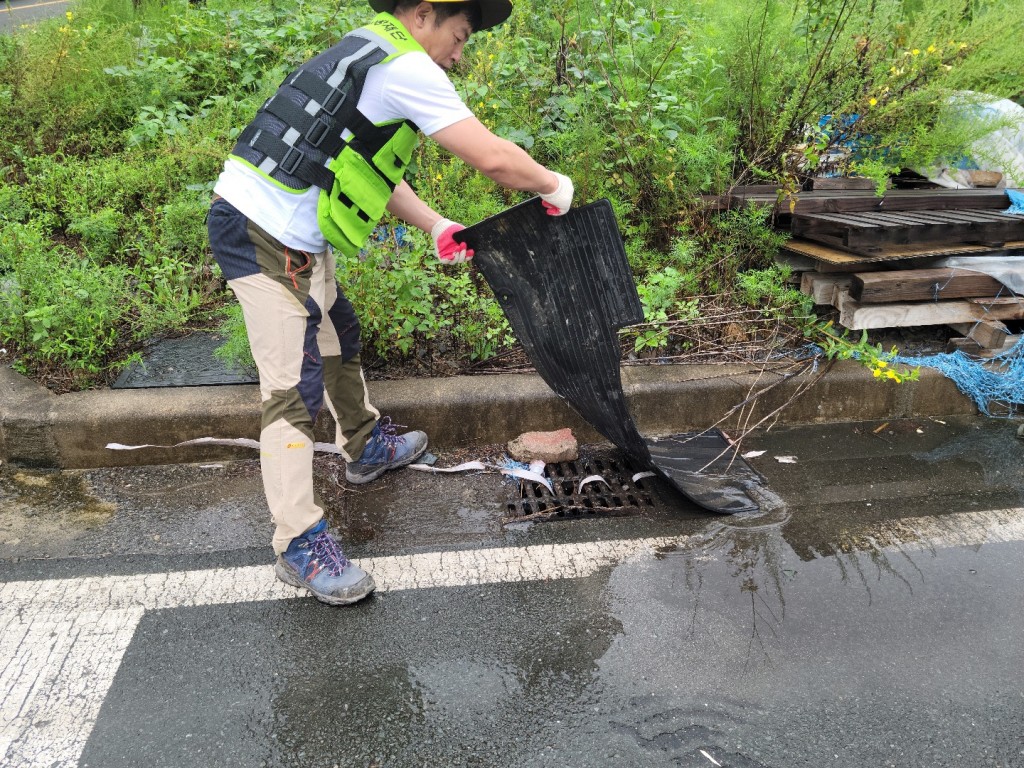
(874, 258)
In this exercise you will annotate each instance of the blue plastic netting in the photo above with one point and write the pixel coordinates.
(996, 381)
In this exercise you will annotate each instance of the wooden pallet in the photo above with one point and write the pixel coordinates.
(922, 285)
(872, 295)
(984, 338)
(858, 316)
(834, 258)
(871, 232)
(871, 259)
(888, 286)
(837, 201)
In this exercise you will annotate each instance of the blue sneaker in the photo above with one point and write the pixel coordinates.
(385, 450)
(313, 561)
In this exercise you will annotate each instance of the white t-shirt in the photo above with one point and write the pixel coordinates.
(409, 87)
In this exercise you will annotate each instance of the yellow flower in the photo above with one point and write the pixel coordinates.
(881, 364)
(877, 372)
(892, 375)
(915, 52)
(70, 16)
(932, 49)
(872, 101)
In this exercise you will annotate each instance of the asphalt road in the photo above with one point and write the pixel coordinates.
(873, 620)
(14, 13)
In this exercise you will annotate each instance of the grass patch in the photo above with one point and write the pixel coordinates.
(117, 118)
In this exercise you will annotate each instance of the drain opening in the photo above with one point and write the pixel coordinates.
(617, 496)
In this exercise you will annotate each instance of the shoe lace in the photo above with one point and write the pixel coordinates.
(324, 549)
(386, 430)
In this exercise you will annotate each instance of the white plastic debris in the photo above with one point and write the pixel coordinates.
(786, 459)
(522, 474)
(525, 474)
(465, 466)
(590, 479)
(753, 454)
(245, 442)
(642, 475)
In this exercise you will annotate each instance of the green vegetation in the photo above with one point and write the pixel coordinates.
(117, 117)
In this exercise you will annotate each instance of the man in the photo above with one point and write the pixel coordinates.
(317, 167)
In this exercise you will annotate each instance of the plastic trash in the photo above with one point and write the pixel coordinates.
(1002, 149)
(1016, 202)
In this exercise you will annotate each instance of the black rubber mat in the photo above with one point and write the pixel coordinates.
(566, 287)
(187, 361)
(706, 468)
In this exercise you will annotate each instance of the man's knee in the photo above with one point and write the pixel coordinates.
(291, 406)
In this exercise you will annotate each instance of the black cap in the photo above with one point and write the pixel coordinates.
(492, 12)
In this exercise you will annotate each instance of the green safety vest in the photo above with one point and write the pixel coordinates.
(296, 139)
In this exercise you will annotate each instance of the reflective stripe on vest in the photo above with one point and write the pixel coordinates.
(310, 133)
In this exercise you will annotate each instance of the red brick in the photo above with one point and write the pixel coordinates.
(550, 447)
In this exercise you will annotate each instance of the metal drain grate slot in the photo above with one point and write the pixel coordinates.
(617, 496)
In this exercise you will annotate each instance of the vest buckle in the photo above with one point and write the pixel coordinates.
(290, 162)
(336, 100)
(317, 131)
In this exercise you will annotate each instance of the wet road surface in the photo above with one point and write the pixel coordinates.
(873, 620)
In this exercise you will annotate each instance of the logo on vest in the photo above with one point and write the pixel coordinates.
(396, 31)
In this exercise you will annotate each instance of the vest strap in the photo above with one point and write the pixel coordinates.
(312, 128)
(308, 166)
(329, 98)
(347, 201)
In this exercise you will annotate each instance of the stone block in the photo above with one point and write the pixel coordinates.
(549, 447)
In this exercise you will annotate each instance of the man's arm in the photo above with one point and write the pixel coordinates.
(406, 205)
(497, 159)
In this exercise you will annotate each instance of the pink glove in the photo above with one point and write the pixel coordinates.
(559, 201)
(447, 249)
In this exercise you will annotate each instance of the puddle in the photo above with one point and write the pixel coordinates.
(130, 510)
(36, 504)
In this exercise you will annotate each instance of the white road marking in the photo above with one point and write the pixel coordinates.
(55, 680)
(62, 640)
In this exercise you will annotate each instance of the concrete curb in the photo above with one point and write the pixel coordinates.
(40, 429)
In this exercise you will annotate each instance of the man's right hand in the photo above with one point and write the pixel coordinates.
(449, 250)
(559, 201)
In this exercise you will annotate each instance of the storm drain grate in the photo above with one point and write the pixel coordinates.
(621, 496)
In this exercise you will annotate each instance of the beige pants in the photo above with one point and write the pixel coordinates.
(303, 362)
